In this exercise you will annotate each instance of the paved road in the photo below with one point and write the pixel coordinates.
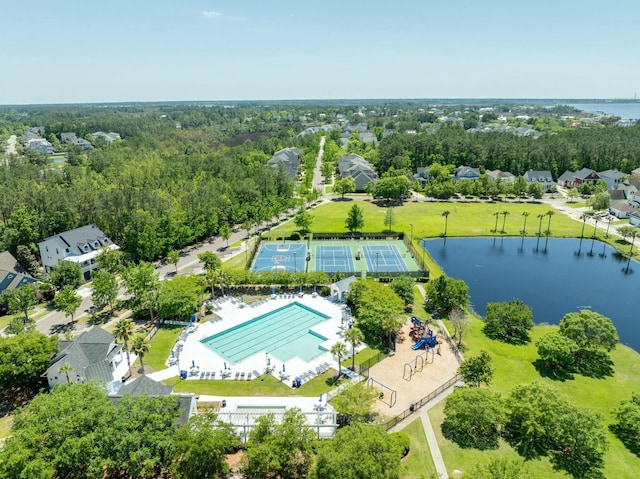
(318, 182)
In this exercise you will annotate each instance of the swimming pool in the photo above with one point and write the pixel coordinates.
(283, 333)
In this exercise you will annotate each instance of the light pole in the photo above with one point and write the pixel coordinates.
(411, 224)
(295, 261)
(377, 263)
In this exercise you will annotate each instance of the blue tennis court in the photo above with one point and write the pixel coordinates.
(334, 258)
(384, 259)
(280, 257)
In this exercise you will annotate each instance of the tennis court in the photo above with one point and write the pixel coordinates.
(360, 257)
(278, 256)
(334, 258)
(384, 259)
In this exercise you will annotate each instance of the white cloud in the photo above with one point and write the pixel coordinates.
(211, 14)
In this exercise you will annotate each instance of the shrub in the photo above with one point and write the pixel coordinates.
(403, 441)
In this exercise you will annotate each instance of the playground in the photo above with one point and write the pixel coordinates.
(372, 257)
(426, 375)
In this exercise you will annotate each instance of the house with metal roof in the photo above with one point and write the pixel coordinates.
(288, 158)
(542, 176)
(93, 356)
(81, 245)
(612, 177)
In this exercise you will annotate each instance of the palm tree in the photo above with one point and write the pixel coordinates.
(124, 332)
(495, 227)
(446, 221)
(595, 227)
(584, 222)
(540, 216)
(354, 337)
(65, 369)
(524, 227)
(609, 221)
(339, 350)
(549, 213)
(504, 219)
(211, 277)
(626, 232)
(140, 347)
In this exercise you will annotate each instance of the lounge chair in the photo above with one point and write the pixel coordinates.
(249, 376)
(237, 375)
(202, 375)
(242, 374)
(213, 375)
(256, 373)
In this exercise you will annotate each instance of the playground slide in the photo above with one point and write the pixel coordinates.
(419, 344)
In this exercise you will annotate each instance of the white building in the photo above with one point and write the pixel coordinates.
(81, 245)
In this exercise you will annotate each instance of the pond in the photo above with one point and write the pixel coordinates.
(552, 276)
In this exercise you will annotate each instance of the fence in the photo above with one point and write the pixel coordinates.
(450, 342)
(417, 405)
(419, 258)
(254, 250)
(363, 368)
(380, 235)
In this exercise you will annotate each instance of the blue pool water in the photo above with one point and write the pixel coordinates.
(283, 333)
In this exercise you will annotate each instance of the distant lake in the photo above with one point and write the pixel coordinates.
(626, 111)
(567, 277)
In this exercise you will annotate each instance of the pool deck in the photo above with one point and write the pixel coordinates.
(231, 312)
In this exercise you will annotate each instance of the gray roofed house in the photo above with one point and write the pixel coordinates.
(94, 355)
(288, 158)
(422, 175)
(504, 175)
(634, 219)
(12, 274)
(612, 177)
(636, 173)
(540, 176)
(81, 245)
(359, 169)
(566, 179)
(466, 173)
(109, 137)
(340, 289)
(622, 210)
(145, 386)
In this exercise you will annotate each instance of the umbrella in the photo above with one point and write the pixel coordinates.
(283, 368)
(193, 363)
(173, 355)
(225, 366)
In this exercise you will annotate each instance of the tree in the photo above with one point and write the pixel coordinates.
(549, 213)
(600, 201)
(225, 232)
(22, 299)
(572, 194)
(124, 332)
(140, 348)
(210, 260)
(403, 287)
(109, 260)
(201, 446)
(279, 450)
(27, 260)
(589, 330)
(392, 187)
(355, 219)
(460, 322)
(142, 283)
(524, 226)
(501, 469)
(67, 301)
(377, 455)
(557, 352)
(389, 218)
(303, 220)
(179, 298)
(629, 232)
(67, 273)
(495, 227)
(477, 370)
(626, 424)
(446, 214)
(24, 357)
(540, 217)
(105, 289)
(339, 350)
(510, 321)
(446, 293)
(355, 403)
(354, 337)
(173, 257)
(536, 190)
(345, 186)
(473, 418)
(65, 369)
(504, 218)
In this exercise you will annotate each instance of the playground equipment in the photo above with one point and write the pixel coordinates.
(392, 392)
(417, 365)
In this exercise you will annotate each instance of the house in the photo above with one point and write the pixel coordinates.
(634, 219)
(543, 177)
(574, 179)
(145, 386)
(368, 137)
(422, 175)
(504, 175)
(288, 158)
(12, 274)
(566, 179)
(622, 210)
(81, 245)
(359, 169)
(612, 177)
(636, 174)
(70, 137)
(93, 356)
(466, 173)
(109, 137)
(340, 289)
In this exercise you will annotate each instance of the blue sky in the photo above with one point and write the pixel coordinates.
(64, 51)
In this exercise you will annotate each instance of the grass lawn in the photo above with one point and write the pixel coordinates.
(514, 365)
(265, 385)
(160, 346)
(577, 204)
(419, 464)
